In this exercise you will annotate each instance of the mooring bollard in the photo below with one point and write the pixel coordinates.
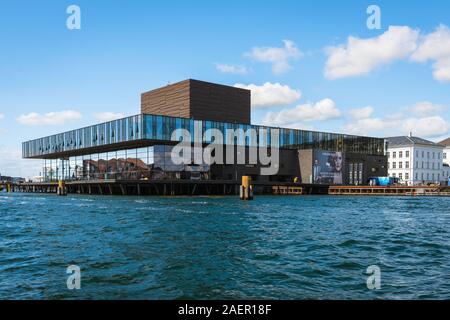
(8, 187)
(61, 191)
(246, 189)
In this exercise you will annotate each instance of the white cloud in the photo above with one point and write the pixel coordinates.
(361, 56)
(51, 118)
(322, 110)
(12, 164)
(234, 69)
(436, 47)
(108, 116)
(369, 126)
(271, 94)
(278, 57)
(362, 113)
(400, 123)
(427, 108)
(427, 127)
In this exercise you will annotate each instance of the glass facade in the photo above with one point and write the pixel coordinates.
(122, 164)
(157, 129)
(118, 131)
(149, 163)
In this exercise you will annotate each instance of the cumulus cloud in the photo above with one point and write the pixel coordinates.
(401, 123)
(369, 126)
(436, 47)
(233, 69)
(12, 164)
(428, 127)
(271, 94)
(323, 110)
(361, 56)
(362, 113)
(279, 57)
(427, 108)
(51, 118)
(108, 116)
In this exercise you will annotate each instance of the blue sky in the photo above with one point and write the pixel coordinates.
(386, 82)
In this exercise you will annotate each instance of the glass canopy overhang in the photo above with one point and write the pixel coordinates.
(147, 129)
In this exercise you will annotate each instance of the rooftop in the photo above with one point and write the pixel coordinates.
(445, 142)
(411, 141)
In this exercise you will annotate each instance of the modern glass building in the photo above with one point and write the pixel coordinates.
(138, 147)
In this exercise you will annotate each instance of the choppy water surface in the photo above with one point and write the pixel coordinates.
(223, 248)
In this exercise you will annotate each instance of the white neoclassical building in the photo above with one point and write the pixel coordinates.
(446, 156)
(416, 161)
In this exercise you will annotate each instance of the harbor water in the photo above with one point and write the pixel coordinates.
(286, 247)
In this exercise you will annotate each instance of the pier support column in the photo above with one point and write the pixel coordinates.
(246, 189)
(122, 188)
(8, 187)
(62, 190)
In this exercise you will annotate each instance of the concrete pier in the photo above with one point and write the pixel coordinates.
(390, 191)
(160, 187)
(218, 188)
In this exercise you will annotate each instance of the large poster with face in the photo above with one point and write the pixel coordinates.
(328, 167)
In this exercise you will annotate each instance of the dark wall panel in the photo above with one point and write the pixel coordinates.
(199, 100)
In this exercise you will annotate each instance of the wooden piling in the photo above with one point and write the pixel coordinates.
(61, 190)
(246, 189)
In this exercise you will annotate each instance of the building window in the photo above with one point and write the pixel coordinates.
(423, 154)
(393, 175)
(417, 176)
(389, 165)
(406, 176)
(388, 154)
(400, 175)
(394, 165)
(417, 153)
(428, 154)
(400, 165)
(445, 155)
(407, 154)
(394, 154)
(400, 154)
(407, 164)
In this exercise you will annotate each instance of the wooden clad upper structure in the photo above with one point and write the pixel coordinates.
(199, 100)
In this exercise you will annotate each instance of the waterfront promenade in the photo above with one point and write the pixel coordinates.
(219, 187)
